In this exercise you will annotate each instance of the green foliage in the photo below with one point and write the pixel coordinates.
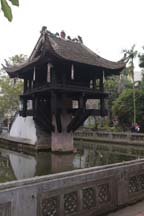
(15, 2)
(9, 96)
(10, 89)
(130, 55)
(6, 8)
(123, 106)
(17, 59)
(114, 85)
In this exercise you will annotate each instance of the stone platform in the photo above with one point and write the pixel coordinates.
(20, 144)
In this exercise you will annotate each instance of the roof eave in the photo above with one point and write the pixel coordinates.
(14, 71)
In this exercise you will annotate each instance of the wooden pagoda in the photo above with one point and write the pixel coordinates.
(59, 73)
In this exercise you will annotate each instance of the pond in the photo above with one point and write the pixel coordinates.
(18, 165)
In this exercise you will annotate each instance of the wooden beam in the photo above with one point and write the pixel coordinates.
(58, 121)
(74, 120)
(81, 120)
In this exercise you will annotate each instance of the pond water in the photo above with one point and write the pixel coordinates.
(18, 165)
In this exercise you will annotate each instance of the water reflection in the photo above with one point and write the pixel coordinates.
(61, 162)
(14, 165)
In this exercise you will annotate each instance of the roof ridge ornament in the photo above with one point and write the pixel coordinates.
(57, 34)
(124, 59)
(63, 34)
(80, 39)
(43, 30)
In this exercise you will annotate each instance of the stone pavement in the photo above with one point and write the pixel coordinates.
(133, 210)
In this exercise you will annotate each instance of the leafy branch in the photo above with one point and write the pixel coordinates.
(6, 8)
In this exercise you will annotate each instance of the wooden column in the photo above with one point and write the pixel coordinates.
(25, 85)
(82, 102)
(34, 107)
(53, 102)
(30, 85)
(24, 107)
(101, 84)
(94, 82)
(102, 107)
(64, 77)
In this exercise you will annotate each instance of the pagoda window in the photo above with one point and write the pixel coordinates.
(49, 71)
(20, 105)
(92, 104)
(40, 75)
(97, 84)
(91, 84)
(33, 77)
(72, 72)
(34, 74)
(53, 75)
(29, 84)
(23, 107)
(29, 104)
(75, 104)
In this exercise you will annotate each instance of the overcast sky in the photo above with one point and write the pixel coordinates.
(106, 26)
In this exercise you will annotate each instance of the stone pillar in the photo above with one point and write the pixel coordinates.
(62, 142)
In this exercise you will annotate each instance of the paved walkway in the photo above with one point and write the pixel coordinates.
(133, 210)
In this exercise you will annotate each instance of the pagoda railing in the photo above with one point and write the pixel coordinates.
(74, 86)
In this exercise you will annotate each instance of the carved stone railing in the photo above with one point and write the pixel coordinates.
(128, 137)
(86, 192)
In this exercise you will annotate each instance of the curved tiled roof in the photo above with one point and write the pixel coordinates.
(77, 52)
(67, 50)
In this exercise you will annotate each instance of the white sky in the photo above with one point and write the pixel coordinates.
(106, 26)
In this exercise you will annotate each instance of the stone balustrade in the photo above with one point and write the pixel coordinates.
(111, 136)
(86, 192)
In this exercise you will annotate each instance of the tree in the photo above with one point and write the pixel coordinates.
(114, 85)
(130, 55)
(9, 96)
(6, 8)
(111, 86)
(15, 60)
(123, 106)
(10, 89)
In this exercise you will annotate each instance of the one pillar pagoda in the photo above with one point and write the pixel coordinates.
(60, 76)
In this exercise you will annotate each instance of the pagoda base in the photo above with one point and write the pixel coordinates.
(27, 128)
